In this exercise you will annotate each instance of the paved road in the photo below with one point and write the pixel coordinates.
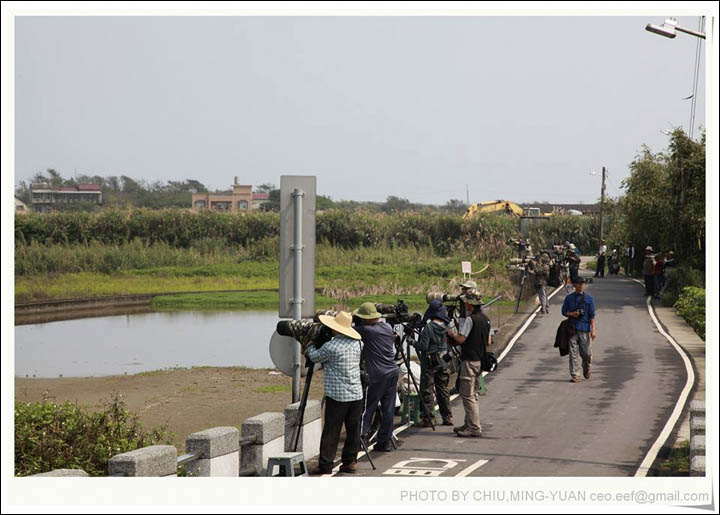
(537, 423)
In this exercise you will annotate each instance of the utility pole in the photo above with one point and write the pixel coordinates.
(602, 202)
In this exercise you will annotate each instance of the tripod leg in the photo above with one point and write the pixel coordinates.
(522, 284)
(303, 404)
(417, 389)
(367, 452)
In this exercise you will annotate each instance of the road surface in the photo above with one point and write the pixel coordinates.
(537, 423)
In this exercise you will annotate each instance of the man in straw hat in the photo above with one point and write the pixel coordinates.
(382, 373)
(343, 391)
(474, 337)
(434, 377)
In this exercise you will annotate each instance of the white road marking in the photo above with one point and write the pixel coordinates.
(412, 467)
(466, 471)
(675, 415)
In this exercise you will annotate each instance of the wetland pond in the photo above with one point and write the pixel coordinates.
(129, 344)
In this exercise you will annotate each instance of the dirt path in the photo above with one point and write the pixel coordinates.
(188, 400)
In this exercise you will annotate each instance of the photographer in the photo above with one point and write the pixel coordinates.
(580, 308)
(539, 270)
(474, 337)
(573, 262)
(432, 347)
(343, 391)
(382, 373)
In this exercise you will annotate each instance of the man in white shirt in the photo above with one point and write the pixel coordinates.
(600, 268)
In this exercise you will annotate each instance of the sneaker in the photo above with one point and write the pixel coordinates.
(586, 373)
(447, 421)
(347, 468)
(384, 447)
(466, 433)
(460, 428)
(320, 471)
(575, 379)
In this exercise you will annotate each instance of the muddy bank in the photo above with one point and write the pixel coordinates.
(188, 400)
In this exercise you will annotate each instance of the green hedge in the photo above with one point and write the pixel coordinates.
(691, 306)
(677, 279)
(52, 436)
(183, 229)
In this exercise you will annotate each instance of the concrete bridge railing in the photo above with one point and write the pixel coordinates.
(221, 451)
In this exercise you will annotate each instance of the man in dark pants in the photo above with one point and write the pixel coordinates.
(343, 392)
(382, 372)
(649, 271)
(434, 377)
(600, 267)
(630, 259)
(473, 337)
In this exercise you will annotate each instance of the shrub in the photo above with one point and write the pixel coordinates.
(676, 279)
(50, 436)
(691, 306)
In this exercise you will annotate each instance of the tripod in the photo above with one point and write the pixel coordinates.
(301, 412)
(408, 330)
(522, 285)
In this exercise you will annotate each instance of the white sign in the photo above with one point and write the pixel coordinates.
(466, 267)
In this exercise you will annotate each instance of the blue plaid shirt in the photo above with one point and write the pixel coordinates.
(341, 367)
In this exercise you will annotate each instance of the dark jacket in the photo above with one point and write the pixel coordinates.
(565, 330)
(433, 339)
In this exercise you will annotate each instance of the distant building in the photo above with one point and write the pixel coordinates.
(45, 198)
(557, 209)
(259, 199)
(20, 206)
(240, 200)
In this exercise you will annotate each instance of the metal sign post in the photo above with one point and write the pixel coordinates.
(297, 257)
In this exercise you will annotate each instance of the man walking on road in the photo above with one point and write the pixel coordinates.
(600, 267)
(474, 337)
(580, 308)
(630, 259)
(382, 372)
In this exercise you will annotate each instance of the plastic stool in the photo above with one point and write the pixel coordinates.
(287, 461)
(410, 409)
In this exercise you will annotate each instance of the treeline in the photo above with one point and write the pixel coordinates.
(118, 191)
(664, 202)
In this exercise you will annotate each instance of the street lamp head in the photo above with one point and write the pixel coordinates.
(667, 29)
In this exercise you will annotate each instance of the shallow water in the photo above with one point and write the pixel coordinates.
(128, 344)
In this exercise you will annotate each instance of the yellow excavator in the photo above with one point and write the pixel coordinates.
(494, 206)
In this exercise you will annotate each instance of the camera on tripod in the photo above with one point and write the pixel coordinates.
(398, 313)
(307, 332)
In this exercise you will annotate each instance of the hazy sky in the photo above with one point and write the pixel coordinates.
(515, 107)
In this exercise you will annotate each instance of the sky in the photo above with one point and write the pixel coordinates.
(509, 107)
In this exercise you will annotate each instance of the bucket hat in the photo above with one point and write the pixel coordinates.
(367, 310)
(436, 309)
(342, 323)
(469, 284)
(472, 297)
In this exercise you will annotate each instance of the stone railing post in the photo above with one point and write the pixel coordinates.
(62, 473)
(311, 431)
(269, 430)
(153, 461)
(219, 452)
(697, 438)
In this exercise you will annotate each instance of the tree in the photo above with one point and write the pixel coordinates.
(395, 204)
(455, 206)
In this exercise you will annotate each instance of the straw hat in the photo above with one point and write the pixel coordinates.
(342, 323)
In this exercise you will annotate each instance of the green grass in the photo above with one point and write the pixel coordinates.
(678, 461)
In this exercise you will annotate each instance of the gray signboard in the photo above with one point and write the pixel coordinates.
(290, 187)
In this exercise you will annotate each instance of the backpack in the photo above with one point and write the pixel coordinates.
(554, 275)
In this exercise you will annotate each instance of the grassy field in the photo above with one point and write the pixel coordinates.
(341, 274)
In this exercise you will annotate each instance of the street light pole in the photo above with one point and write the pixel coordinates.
(668, 29)
(602, 203)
